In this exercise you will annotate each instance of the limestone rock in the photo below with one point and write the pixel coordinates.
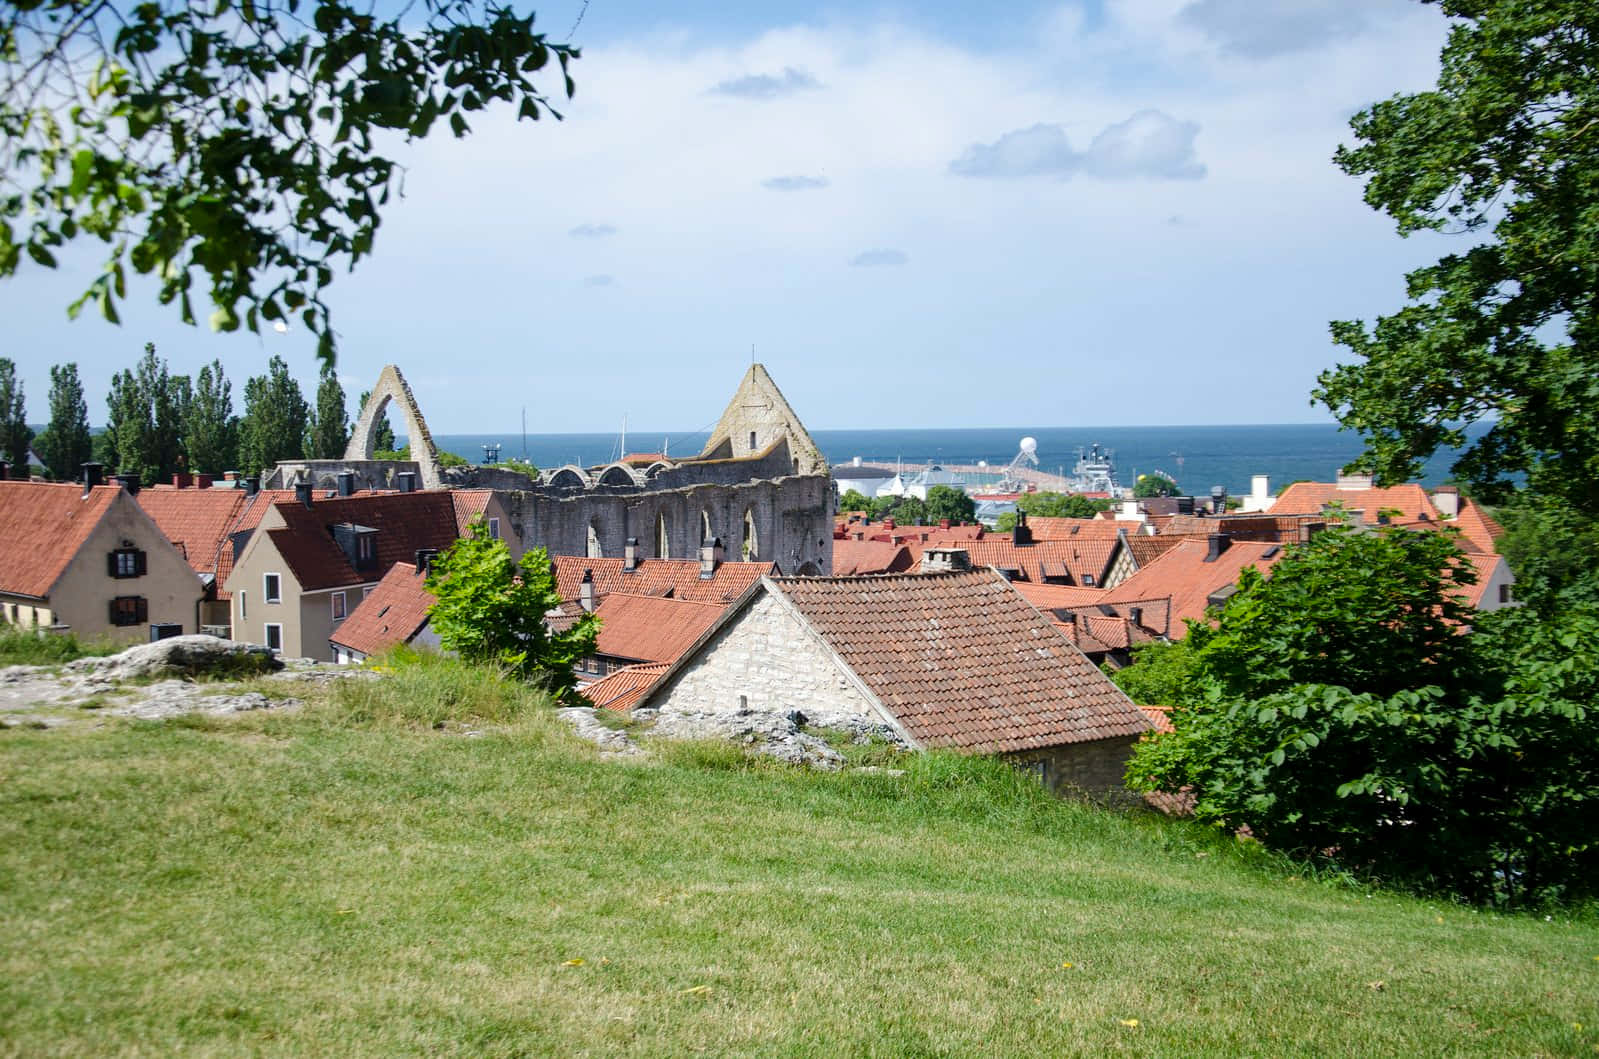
(587, 726)
(173, 698)
(196, 655)
(771, 734)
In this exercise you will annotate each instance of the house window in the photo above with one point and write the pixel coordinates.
(752, 440)
(130, 610)
(1504, 593)
(125, 562)
(338, 606)
(1088, 579)
(274, 636)
(494, 529)
(244, 605)
(365, 548)
(272, 588)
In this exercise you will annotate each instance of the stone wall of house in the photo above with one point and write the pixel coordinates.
(1096, 768)
(765, 661)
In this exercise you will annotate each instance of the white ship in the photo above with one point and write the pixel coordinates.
(1095, 472)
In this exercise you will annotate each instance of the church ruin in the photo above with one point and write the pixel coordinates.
(759, 490)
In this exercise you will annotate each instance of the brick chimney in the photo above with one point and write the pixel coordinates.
(1023, 533)
(1218, 544)
(182, 479)
(585, 592)
(630, 555)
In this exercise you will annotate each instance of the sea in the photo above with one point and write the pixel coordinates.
(1196, 457)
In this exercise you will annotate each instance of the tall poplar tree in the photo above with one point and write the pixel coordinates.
(65, 444)
(211, 430)
(275, 418)
(14, 433)
(146, 408)
(329, 431)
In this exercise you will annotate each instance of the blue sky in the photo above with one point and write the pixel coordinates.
(918, 215)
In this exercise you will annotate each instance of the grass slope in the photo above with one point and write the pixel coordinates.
(352, 880)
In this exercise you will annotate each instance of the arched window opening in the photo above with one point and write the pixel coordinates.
(594, 550)
(705, 527)
(751, 548)
(662, 538)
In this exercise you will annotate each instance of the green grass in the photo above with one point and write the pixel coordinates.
(27, 647)
(351, 880)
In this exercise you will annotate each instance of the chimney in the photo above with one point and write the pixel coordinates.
(1447, 501)
(1135, 615)
(945, 560)
(182, 480)
(252, 485)
(943, 523)
(1218, 544)
(1218, 500)
(230, 476)
(405, 481)
(889, 523)
(91, 476)
(346, 480)
(1022, 534)
(585, 592)
(1129, 509)
(1354, 481)
(202, 481)
(5, 470)
(856, 462)
(630, 555)
(424, 559)
(1259, 491)
(302, 493)
(710, 556)
(130, 482)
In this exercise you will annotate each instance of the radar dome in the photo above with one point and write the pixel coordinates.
(1030, 446)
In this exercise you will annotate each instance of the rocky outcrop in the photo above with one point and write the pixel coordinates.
(181, 656)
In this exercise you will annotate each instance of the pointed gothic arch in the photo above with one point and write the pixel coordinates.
(391, 386)
(663, 536)
(750, 549)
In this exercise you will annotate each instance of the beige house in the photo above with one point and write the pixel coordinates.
(311, 561)
(87, 559)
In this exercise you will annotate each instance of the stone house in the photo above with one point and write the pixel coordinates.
(956, 660)
(87, 559)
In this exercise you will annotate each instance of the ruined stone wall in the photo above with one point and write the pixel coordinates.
(369, 474)
(793, 520)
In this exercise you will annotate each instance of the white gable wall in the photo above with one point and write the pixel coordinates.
(766, 655)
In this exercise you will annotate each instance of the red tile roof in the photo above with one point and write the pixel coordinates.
(1477, 526)
(622, 689)
(652, 628)
(1083, 560)
(198, 521)
(678, 578)
(469, 504)
(392, 613)
(1051, 597)
(1183, 577)
(42, 526)
(964, 661)
(1062, 529)
(854, 558)
(1310, 498)
(1146, 550)
(250, 516)
(406, 522)
(1160, 716)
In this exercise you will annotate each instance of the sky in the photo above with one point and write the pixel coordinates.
(929, 215)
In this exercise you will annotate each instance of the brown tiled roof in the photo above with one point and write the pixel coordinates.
(1309, 498)
(1485, 564)
(1063, 529)
(249, 517)
(1477, 526)
(678, 578)
(622, 689)
(964, 661)
(469, 504)
(392, 613)
(853, 558)
(1184, 577)
(1160, 716)
(405, 523)
(1080, 559)
(198, 521)
(42, 526)
(1051, 597)
(652, 628)
(1146, 550)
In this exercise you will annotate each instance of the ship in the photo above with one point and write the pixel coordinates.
(1095, 472)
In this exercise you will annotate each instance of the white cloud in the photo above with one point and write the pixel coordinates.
(1148, 144)
(765, 87)
(1261, 29)
(1039, 150)
(878, 258)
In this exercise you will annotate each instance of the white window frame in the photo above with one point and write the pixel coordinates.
(340, 606)
(266, 635)
(266, 592)
(494, 529)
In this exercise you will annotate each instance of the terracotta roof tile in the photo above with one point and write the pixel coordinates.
(1052, 597)
(392, 613)
(622, 689)
(854, 558)
(469, 504)
(42, 526)
(678, 578)
(1477, 526)
(962, 660)
(1160, 716)
(652, 628)
(406, 522)
(1083, 560)
(1146, 550)
(1187, 581)
(1063, 529)
(198, 521)
(1310, 498)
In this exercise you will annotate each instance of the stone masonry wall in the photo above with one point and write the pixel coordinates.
(765, 655)
(1095, 767)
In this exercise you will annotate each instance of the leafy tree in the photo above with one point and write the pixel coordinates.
(1152, 485)
(144, 428)
(491, 609)
(1052, 505)
(1554, 551)
(905, 510)
(1505, 331)
(1161, 674)
(15, 435)
(275, 416)
(382, 430)
(329, 429)
(65, 444)
(211, 430)
(854, 500)
(947, 502)
(236, 141)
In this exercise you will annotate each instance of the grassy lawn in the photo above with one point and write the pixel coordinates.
(353, 879)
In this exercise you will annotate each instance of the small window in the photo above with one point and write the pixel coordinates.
(338, 606)
(130, 610)
(494, 529)
(1088, 579)
(365, 548)
(272, 588)
(244, 605)
(1504, 593)
(752, 441)
(125, 562)
(274, 637)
